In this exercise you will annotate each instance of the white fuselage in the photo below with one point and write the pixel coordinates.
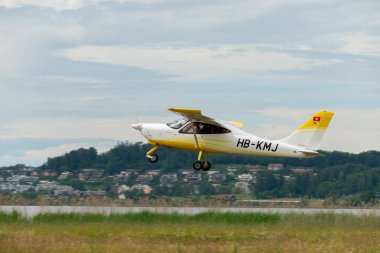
(236, 142)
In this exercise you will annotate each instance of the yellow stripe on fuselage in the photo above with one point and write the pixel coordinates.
(209, 147)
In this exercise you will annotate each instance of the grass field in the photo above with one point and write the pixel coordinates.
(209, 232)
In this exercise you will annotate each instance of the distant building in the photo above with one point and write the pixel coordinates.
(63, 190)
(145, 188)
(64, 175)
(18, 178)
(122, 188)
(210, 172)
(302, 170)
(192, 178)
(241, 187)
(46, 185)
(231, 170)
(91, 175)
(244, 177)
(253, 168)
(217, 178)
(153, 172)
(275, 166)
(168, 179)
(185, 172)
(121, 177)
(144, 178)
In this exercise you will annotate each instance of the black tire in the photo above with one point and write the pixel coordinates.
(206, 166)
(153, 158)
(197, 165)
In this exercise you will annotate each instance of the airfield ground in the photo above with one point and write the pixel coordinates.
(208, 232)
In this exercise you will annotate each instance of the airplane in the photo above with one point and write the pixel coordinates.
(197, 132)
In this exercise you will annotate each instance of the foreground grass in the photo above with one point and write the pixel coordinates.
(207, 232)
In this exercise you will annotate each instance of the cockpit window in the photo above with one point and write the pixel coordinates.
(178, 123)
(203, 128)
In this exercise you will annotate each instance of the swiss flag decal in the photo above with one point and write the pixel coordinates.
(316, 118)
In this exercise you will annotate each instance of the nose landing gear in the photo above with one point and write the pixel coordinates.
(198, 164)
(153, 158)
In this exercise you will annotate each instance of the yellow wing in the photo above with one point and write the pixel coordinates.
(196, 116)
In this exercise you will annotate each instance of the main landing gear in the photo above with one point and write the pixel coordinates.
(153, 158)
(198, 164)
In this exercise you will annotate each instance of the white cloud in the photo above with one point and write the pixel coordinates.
(66, 4)
(199, 63)
(354, 44)
(361, 45)
(55, 4)
(71, 128)
(351, 130)
(36, 157)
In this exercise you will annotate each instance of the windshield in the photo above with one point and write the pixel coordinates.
(178, 123)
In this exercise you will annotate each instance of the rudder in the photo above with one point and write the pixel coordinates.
(309, 135)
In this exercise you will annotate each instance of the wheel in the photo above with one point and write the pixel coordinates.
(206, 166)
(197, 165)
(153, 158)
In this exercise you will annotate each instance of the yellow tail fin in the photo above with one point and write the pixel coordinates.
(309, 135)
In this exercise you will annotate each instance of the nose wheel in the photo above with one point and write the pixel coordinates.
(200, 165)
(152, 158)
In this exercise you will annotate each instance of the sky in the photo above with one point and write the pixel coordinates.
(78, 73)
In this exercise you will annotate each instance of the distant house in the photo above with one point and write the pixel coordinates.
(241, 187)
(231, 169)
(91, 175)
(210, 172)
(168, 179)
(63, 190)
(153, 172)
(302, 170)
(288, 178)
(122, 188)
(122, 176)
(193, 178)
(64, 175)
(244, 177)
(217, 178)
(185, 172)
(275, 166)
(145, 188)
(46, 185)
(253, 168)
(144, 178)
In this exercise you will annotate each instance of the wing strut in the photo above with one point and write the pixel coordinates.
(195, 136)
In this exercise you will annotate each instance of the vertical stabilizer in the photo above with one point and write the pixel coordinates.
(310, 134)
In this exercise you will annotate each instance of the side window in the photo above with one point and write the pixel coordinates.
(212, 129)
(188, 129)
(202, 128)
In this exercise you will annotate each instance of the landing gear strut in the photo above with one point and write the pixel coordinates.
(198, 164)
(153, 158)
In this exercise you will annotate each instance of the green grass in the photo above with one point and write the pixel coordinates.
(207, 232)
(147, 217)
